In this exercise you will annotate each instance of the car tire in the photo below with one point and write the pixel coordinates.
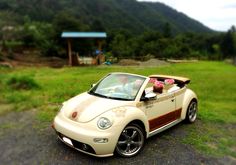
(191, 114)
(131, 141)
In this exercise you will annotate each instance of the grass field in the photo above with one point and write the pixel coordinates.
(214, 83)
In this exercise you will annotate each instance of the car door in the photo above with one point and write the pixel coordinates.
(179, 97)
(160, 111)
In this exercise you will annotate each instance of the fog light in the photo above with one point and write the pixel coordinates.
(100, 140)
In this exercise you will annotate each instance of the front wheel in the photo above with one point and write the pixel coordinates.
(191, 114)
(131, 141)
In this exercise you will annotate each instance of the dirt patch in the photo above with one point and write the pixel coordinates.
(151, 62)
(154, 62)
(181, 61)
(128, 62)
(33, 60)
(37, 60)
(24, 140)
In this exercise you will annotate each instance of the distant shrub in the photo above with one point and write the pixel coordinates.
(22, 82)
(1, 57)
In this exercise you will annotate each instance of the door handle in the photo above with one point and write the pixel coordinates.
(172, 100)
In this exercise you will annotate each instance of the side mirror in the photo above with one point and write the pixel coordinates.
(149, 96)
(92, 85)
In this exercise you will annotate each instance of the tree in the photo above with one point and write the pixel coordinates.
(228, 43)
(62, 22)
(233, 29)
(8, 24)
(97, 26)
(167, 30)
(120, 47)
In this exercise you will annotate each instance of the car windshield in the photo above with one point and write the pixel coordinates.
(118, 86)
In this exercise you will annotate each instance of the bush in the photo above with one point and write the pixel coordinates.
(22, 82)
(1, 57)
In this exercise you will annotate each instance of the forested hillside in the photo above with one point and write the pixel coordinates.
(112, 14)
(135, 29)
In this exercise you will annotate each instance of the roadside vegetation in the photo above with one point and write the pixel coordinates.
(44, 89)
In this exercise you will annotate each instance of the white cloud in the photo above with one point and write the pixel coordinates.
(216, 14)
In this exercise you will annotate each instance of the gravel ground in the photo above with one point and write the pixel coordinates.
(23, 140)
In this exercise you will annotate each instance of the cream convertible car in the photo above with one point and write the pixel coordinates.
(122, 110)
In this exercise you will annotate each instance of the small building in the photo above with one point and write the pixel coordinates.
(76, 59)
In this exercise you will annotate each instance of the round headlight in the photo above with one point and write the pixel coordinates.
(104, 123)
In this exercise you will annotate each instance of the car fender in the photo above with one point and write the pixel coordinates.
(122, 116)
(135, 114)
(188, 97)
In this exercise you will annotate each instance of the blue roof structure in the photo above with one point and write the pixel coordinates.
(83, 35)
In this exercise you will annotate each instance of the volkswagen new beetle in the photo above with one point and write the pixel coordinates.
(122, 110)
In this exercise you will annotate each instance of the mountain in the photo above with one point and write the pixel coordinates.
(110, 14)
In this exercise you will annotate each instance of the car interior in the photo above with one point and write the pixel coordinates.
(167, 88)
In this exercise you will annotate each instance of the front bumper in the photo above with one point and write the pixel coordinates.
(82, 136)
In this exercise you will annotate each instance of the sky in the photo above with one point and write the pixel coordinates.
(216, 14)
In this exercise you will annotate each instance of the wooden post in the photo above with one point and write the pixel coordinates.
(99, 42)
(99, 45)
(69, 52)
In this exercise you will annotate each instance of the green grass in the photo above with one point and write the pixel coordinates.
(214, 83)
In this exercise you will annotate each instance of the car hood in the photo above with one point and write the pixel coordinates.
(85, 107)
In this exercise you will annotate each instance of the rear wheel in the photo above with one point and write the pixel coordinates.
(191, 114)
(131, 141)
